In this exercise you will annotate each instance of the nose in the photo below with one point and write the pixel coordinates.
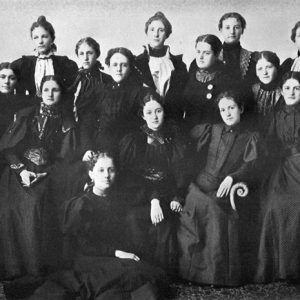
(106, 174)
(156, 33)
(232, 30)
(6, 80)
(119, 68)
(265, 71)
(86, 58)
(201, 55)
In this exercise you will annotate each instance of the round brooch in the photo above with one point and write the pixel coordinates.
(210, 87)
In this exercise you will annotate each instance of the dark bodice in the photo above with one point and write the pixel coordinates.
(201, 92)
(287, 65)
(38, 141)
(92, 225)
(285, 130)
(85, 87)
(224, 151)
(157, 166)
(25, 65)
(239, 63)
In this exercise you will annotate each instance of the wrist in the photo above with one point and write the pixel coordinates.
(154, 201)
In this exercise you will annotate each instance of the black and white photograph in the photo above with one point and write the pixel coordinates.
(149, 150)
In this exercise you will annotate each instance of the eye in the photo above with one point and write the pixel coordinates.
(46, 90)
(12, 78)
(297, 88)
(2, 76)
(222, 109)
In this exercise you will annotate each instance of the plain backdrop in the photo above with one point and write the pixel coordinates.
(121, 23)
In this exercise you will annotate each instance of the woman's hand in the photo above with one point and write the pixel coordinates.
(225, 187)
(27, 178)
(38, 177)
(126, 255)
(87, 155)
(156, 212)
(175, 206)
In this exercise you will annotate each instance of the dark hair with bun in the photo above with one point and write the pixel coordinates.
(212, 40)
(7, 65)
(42, 22)
(235, 95)
(161, 17)
(270, 57)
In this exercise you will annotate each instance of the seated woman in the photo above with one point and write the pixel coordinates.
(211, 237)
(206, 80)
(291, 64)
(89, 79)
(152, 158)
(38, 139)
(267, 92)
(239, 62)
(279, 258)
(99, 265)
(159, 69)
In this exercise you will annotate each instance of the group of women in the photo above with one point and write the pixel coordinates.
(114, 185)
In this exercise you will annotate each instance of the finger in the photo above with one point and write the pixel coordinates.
(136, 258)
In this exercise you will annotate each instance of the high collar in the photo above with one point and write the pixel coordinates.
(52, 111)
(45, 56)
(232, 47)
(290, 109)
(272, 86)
(157, 52)
(235, 129)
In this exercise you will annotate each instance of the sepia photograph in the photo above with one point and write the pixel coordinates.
(149, 150)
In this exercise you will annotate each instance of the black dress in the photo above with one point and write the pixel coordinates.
(115, 114)
(37, 140)
(153, 171)
(173, 97)
(286, 66)
(201, 92)
(25, 66)
(279, 256)
(85, 88)
(213, 241)
(92, 233)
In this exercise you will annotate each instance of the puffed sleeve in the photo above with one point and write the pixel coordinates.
(201, 134)
(249, 161)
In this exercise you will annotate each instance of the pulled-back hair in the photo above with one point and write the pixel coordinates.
(270, 57)
(235, 15)
(290, 75)
(7, 65)
(42, 22)
(99, 154)
(232, 94)
(89, 41)
(55, 78)
(159, 16)
(126, 52)
(294, 30)
(148, 95)
(212, 40)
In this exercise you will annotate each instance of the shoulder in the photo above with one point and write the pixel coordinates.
(24, 61)
(200, 130)
(177, 61)
(64, 60)
(105, 77)
(26, 112)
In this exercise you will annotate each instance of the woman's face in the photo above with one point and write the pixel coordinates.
(291, 92)
(119, 67)
(51, 92)
(156, 34)
(231, 30)
(265, 71)
(230, 112)
(205, 56)
(8, 81)
(103, 173)
(297, 38)
(42, 40)
(153, 114)
(87, 56)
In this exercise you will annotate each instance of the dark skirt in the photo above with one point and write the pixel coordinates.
(25, 217)
(105, 278)
(279, 255)
(212, 246)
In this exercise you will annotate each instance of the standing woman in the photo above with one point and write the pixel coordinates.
(90, 77)
(116, 110)
(38, 139)
(240, 63)
(159, 69)
(34, 67)
(213, 245)
(207, 79)
(267, 91)
(293, 64)
(279, 257)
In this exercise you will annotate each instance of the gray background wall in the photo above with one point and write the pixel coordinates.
(121, 23)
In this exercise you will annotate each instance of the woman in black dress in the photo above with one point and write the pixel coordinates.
(116, 110)
(99, 265)
(239, 62)
(206, 80)
(33, 68)
(159, 69)
(267, 91)
(89, 79)
(279, 258)
(38, 139)
(152, 159)
(291, 64)
(213, 239)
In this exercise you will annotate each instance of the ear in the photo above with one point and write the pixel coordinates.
(242, 109)
(91, 174)
(143, 117)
